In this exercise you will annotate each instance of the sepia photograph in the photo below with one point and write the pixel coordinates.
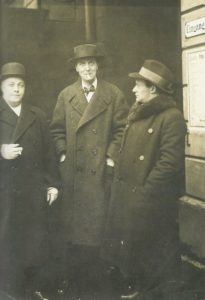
(102, 149)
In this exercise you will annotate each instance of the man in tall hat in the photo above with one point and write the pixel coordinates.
(28, 183)
(87, 127)
(142, 230)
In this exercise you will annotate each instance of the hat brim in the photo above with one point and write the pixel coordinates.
(3, 77)
(73, 60)
(136, 75)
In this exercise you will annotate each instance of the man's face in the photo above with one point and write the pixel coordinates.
(142, 93)
(87, 69)
(13, 89)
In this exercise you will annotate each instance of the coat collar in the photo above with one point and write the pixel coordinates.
(26, 118)
(154, 107)
(97, 105)
(77, 97)
(7, 115)
(24, 121)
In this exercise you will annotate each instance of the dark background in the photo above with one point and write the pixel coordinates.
(128, 32)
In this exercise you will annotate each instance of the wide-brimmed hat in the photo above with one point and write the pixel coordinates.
(86, 51)
(157, 73)
(12, 69)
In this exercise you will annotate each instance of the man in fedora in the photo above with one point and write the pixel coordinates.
(142, 228)
(28, 183)
(87, 127)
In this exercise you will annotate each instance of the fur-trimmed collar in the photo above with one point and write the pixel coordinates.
(153, 107)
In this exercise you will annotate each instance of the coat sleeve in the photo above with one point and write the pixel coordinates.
(170, 163)
(118, 125)
(52, 177)
(58, 126)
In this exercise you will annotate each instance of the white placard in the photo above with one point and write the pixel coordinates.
(32, 4)
(195, 27)
(196, 86)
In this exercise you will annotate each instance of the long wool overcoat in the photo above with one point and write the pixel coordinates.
(23, 184)
(142, 233)
(87, 134)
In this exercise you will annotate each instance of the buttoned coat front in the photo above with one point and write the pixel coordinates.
(142, 232)
(87, 134)
(23, 184)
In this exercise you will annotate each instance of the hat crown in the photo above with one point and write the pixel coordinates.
(86, 50)
(159, 69)
(13, 69)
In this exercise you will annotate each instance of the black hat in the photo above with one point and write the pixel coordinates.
(12, 69)
(85, 51)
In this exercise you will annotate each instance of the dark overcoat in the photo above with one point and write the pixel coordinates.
(87, 134)
(24, 182)
(142, 231)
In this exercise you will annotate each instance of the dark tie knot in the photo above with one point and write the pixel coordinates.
(88, 90)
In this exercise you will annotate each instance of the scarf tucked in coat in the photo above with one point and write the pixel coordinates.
(155, 106)
(142, 111)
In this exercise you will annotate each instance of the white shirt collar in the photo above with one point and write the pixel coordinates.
(90, 94)
(95, 82)
(16, 109)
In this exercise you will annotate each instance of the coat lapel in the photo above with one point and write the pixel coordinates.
(25, 120)
(78, 100)
(6, 114)
(97, 105)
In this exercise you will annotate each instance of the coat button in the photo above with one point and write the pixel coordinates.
(141, 157)
(93, 172)
(150, 130)
(94, 130)
(94, 152)
(134, 189)
(119, 180)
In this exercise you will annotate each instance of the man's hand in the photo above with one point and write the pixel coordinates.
(10, 151)
(52, 195)
(62, 158)
(110, 162)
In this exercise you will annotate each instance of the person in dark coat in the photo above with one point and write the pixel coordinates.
(28, 182)
(141, 237)
(87, 127)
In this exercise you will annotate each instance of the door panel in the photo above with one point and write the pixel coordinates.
(192, 225)
(189, 4)
(195, 142)
(195, 175)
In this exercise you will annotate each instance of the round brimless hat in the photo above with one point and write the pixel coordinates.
(157, 73)
(85, 51)
(12, 69)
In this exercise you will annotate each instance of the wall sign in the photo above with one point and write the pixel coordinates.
(195, 27)
(196, 86)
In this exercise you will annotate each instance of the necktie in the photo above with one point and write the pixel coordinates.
(88, 90)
